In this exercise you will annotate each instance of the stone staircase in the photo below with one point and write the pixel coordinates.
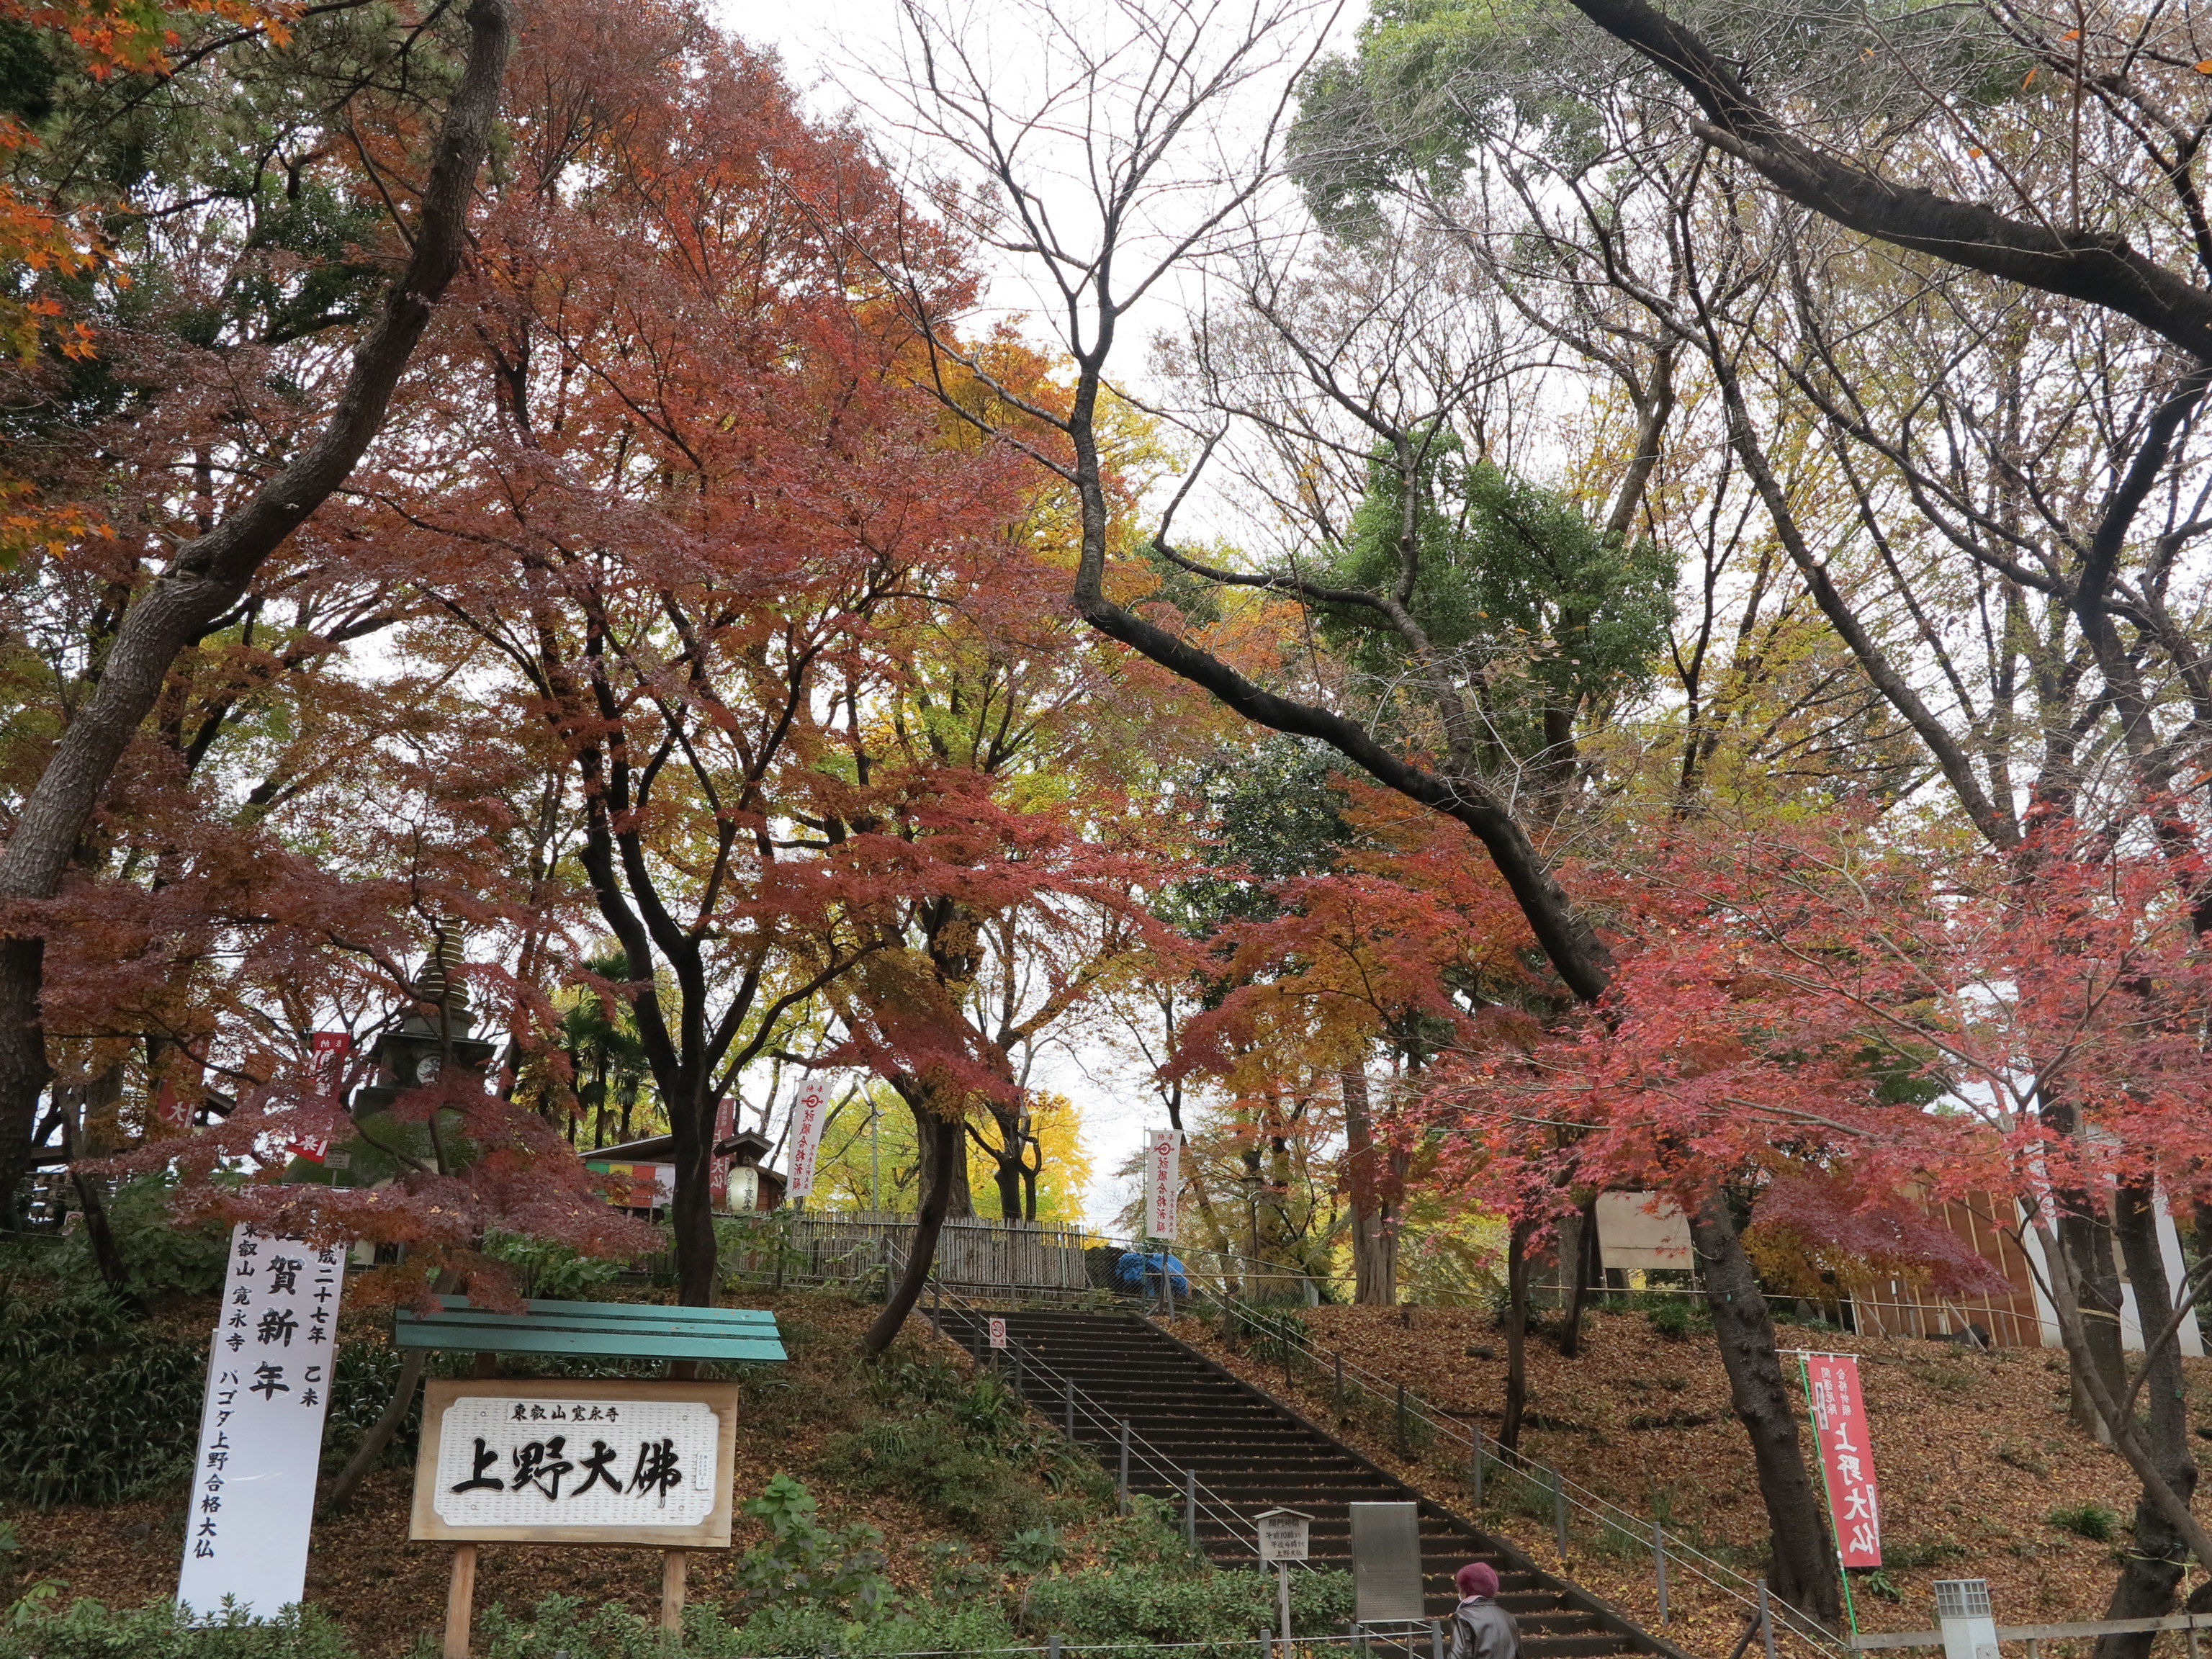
(1251, 1453)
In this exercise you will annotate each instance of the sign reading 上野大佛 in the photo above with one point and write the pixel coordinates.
(808, 1114)
(261, 1425)
(552, 1462)
(1839, 1425)
(1161, 1156)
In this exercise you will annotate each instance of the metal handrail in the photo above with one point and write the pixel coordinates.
(1565, 1491)
(1207, 1503)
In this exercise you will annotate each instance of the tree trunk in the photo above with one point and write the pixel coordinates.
(1582, 1257)
(941, 1142)
(2086, 1236)
(2150, 1572)
(1801, 1570)
(1374, 1225)
(211, 573)
(1516, 1338)
(931, 1151)
(692, 1218)
(379, 1433)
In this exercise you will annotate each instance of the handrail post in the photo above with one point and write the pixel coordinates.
(1404, 1435)
(1070, 1403)
(1339, 1357)
(1190, 1509)
(1476, 1465)
(1559, 1513)
(1125, 1466)
(1765, 1622)
(1659, 1566)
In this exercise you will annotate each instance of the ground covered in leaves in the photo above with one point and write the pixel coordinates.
(959, 1526)
(1982, 1473)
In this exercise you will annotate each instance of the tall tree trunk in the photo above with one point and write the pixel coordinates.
(692, 1218)
(1516, 1338)
(1582, 1258)
(1802, 1569)
(932, 1150)
(940, 1139)
(212, 572)
(1374, 1224)
(379, 1432)
(2150, 1572)
(2086, 1236)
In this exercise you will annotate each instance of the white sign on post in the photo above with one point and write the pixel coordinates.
(261, 1424)
(1283, 1535)
(808, 1113)
(1161, 1158)
(997, 1333)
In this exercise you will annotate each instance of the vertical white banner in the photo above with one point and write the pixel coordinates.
(1161, 1181)
(808, 1114)
(252, 1494)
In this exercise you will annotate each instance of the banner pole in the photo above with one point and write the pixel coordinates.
(1827, 1497)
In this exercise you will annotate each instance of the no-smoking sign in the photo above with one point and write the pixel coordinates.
(997, 1333)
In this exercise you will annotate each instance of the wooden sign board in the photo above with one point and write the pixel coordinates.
(1284, 1535)
(562, 1461)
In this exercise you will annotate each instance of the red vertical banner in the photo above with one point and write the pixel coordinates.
(330, 1049)
(717, 1167)
(1839, 1424)
(170, 1111)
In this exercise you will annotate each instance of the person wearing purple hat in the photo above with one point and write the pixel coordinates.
(1480, 1628)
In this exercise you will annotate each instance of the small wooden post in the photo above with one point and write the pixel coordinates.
(672, 1566)
(460, 1603)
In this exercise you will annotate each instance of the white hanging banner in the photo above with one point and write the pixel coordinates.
(808, 1114)
(1161, 1158)
(261, 1426)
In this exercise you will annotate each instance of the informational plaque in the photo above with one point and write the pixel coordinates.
(1283, 1535)
(261, 1424)
(1386, 1563)
(574, 1462)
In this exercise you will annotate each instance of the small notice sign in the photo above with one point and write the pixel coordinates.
(997, 1333)
(261, 1424)
(1282, 1534)
(553, 1461)
(1839, 1424)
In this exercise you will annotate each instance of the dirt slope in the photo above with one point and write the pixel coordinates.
(1974, 1452)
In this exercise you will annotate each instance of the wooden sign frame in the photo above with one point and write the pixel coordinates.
(713, 1532)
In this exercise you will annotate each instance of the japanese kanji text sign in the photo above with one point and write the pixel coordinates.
(1163, 1150)
(576, 1462)
(810, 1113)
(261, 1425)
(1839, 1424)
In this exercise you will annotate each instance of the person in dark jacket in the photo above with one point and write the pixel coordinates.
(1480, 1628)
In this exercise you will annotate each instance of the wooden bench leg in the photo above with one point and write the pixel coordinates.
(460, 1603)
(673, 1566)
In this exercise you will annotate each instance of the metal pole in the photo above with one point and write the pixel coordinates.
(1339, 1381)
(1167, 1285)
(1190, 1509)
(1285, 1328)
(1559, 1512)
(876, 1169)
(1659, 1566)
(1125, 1466)
(1477, 1465)
(1402, 1435)
(1070, 1402)
(1765, 1622)
(1436, 1638)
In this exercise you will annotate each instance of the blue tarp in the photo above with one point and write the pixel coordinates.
(1140, 1271)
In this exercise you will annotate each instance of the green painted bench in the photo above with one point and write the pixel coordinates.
(624, 1330)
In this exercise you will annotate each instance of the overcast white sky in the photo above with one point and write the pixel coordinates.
(828, 49)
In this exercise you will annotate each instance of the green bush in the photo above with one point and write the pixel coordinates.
(103, 1408)
(87, 1630)
(1143, 1604)
(969, 1452)
(1673, 1316)
(802, 1561)
(552, 1271)
(2091, 1520)
(161, 1258)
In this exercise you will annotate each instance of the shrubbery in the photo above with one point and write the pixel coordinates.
(87, 1630)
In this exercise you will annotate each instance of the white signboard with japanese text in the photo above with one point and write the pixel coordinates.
(1284, 1535)
(261, 1424)
(1162, 1157)
(997, 1333)
(808, 1113)
(569, 1461)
